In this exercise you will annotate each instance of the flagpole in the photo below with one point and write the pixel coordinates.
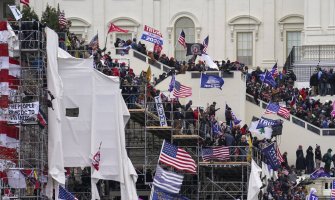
(106, 40)
(200, 87)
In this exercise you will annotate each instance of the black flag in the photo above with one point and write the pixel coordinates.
(194, 49)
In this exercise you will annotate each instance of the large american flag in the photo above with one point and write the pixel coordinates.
(332, 193)
(181, 91)
(169, 181)
(176, 157)
(218, 153)
(181, 39)
(65, 195)
(205, 44)
(274, 108)
(61, 19)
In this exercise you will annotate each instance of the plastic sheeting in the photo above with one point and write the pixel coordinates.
(102, 118)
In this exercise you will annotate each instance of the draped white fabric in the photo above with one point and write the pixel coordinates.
(102, 117)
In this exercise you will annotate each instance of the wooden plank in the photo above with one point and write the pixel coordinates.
(159, 127)
(136, 110)
(182, 137)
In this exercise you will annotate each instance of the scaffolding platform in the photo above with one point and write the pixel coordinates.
(224, 164)
(186, 137)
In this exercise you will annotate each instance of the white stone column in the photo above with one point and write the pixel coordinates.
(331, 14)
(269, 35)
(99, 22)
(220, 28)
(211, 28)
(157, 14)
(312, 14)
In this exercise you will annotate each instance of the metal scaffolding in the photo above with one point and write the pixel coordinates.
(30, 87)
(214, 180)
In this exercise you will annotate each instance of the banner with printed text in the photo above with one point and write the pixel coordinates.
(23, 112)
(160, 111)
(152, 35)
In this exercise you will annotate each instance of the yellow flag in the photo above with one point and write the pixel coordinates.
(149, 74)
(250, 148)
(67, 41)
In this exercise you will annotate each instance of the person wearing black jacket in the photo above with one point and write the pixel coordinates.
(313, 82)
(300, 162)
(318, 157)
(310, 160)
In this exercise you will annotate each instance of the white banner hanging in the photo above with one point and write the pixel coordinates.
(160, 111)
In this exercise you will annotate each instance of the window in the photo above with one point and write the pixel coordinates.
(293, 38)
(244, 48)
(187, 25)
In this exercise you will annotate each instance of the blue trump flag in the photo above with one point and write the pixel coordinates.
(313, 197)
(268, 79)
(319, 173)
(270, 154)
(158, 194)
(211, 81)
(265, 122)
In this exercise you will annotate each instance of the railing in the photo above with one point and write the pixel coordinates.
(316, 53)
(297, 121)
(148, 60)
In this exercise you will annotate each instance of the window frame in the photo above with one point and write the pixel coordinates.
(189, 38)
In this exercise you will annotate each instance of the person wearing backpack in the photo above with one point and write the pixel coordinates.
(327, 159)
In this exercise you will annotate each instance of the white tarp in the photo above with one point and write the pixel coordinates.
(255, 182)
(102, 118)
(55, 86)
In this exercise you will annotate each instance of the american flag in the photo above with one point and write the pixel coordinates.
(25, 2)
(279, 156)
(218, 153)
(181, 39)
(181, 91)
(65, 195)
(61, 19)
(169, 181)
(94, 42)
(205, 44)
(274, 108)
(274, 71)
(332, 193)
(176, 157)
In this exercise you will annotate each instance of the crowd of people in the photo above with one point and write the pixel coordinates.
(188, 119)
(301, 102)
(323, 82)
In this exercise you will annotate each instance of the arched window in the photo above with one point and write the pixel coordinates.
(186, 24)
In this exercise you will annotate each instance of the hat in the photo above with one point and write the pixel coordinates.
(330, 150)
(214, 102)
